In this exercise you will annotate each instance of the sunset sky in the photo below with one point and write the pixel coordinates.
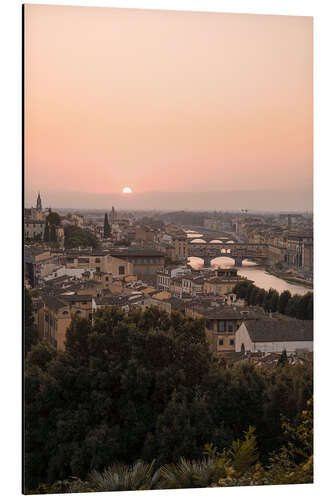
(167, 102)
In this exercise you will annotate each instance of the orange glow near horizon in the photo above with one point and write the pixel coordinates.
(174, 101)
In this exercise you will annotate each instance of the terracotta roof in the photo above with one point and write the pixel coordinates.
(76, 298)
(136, 252)
(115, 300)
(53, 302)
(268, 330)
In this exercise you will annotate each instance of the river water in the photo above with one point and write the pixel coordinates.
(250, 270)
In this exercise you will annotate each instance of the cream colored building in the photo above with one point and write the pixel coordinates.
(101, 262)
(275, 336)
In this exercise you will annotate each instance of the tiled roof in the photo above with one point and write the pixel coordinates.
(76, 298)
(116, 300)
(53, 302)
(136, 252)
(269, 330)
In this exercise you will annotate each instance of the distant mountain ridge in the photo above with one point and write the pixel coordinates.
(270, 200)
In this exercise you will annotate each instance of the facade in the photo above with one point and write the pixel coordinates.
(144, 233)
(34, 228)
(221, 323)
(180, 244)
(34, 260)
(222, 283)
(100, 261)
(275, 336)
(57, 316)
(145, 262)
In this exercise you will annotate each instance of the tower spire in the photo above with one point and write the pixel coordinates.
(39, 202)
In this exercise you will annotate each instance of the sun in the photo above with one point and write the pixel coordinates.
(127, 190)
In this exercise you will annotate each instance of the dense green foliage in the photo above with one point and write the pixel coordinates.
(53, 221)
(30, 330)
(77, 237)
(141, 387)
(296, 306)
(237, 465)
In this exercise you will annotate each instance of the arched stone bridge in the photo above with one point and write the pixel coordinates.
(236, 251)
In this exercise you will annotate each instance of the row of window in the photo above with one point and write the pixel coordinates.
(222, 326)
(145, 261)
(231, 341)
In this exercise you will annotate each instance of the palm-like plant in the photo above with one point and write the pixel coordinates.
(120, 477)
(190, 473)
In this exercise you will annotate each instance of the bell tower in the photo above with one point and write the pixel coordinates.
(39, 203)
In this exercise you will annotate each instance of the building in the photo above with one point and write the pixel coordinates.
(222, 283)
(221, 322)
(35, 260)
(180, 244)
(34, 229)
(58, 313)
(145, 262)
(275, 336)
(101, 261)
(192, 284)
(144, 234)
(307, 251)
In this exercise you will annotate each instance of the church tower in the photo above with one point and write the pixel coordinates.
(39, 203)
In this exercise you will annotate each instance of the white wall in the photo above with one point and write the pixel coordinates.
(67, 271)
(242, 337)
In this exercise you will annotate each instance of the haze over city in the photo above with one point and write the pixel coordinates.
(190, 110)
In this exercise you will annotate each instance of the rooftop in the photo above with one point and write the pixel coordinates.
(270, 330)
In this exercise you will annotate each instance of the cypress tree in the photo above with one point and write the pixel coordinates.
(107, 229)
(47, 232)
(53, 234)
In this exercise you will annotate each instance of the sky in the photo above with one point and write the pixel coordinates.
(188, 109)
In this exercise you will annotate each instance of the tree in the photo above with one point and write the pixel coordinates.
(283, 301)
(283, 359)
(53, 234)
(274, 301)
(53, 221)
(77, 338)
(77, 237)
(30, 329)
(107, 229)
(47, 232)
(53, 218)
(143, 386)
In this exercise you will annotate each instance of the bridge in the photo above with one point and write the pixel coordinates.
(236, 251)
(210, 234)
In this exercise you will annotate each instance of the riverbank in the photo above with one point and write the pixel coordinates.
(289, 278)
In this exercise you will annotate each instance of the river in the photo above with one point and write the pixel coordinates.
(250, 270)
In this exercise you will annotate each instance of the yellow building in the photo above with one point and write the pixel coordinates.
(58, 312)
(222, 283)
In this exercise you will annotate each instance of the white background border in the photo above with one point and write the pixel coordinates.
(10, 96)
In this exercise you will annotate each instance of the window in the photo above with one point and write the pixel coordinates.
(230, 327)
(106, 278)
(121, 269)
(220, 341)
(232, 342)
(221, 326)
(97, 260)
